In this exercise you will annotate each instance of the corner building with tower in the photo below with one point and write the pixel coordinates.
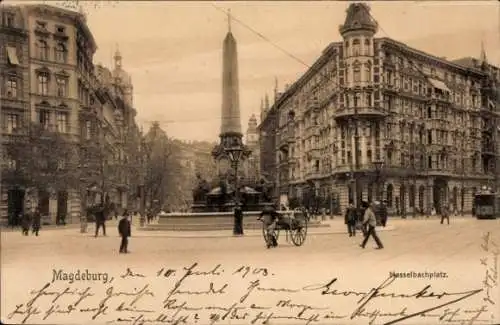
(375, 119)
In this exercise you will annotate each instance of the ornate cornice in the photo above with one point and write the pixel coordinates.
(43, 69)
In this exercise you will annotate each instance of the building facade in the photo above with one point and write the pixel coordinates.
(49, 53)
(267, 141)
(15, 95)
(376, 119)
(252, 164)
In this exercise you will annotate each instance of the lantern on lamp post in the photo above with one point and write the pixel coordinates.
(235, 154)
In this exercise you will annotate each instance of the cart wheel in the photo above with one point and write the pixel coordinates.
(265, 234)
(299, 233)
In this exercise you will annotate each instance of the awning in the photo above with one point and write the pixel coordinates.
(12, 55)
(438, 84)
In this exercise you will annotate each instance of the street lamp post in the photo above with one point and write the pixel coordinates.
(234, 154)
(378, 168)
(142, 187)
(83, 215)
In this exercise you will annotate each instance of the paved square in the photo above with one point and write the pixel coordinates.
(239, 281)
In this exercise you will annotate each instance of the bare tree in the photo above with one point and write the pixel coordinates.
(41, 159)
(159, 166)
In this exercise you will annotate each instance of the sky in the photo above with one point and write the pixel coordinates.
(173, 50)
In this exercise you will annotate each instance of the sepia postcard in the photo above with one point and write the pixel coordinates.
(250, 162)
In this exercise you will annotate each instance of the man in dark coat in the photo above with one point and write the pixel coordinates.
(445, 213)
(383, 213)
(350, 219)
(238, 220)
(100, 220)
(125, 231)
(25, 223)
(37, 221)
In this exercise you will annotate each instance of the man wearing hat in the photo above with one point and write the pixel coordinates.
(371, 221)
(350, 219)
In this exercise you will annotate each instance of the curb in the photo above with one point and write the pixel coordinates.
(42, 228)
(251, 233)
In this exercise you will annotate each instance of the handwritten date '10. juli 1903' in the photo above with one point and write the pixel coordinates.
(200, 294)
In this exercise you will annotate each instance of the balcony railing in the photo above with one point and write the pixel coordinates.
(371, 111)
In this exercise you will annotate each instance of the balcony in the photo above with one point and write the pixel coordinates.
(439, 98)
(13, 30)
(391, 88)
(362, 112)
(13, 103)
(313, 175)
(440, 172)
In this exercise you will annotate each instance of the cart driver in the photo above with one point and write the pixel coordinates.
(270, 217)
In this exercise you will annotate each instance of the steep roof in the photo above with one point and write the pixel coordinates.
(358, 18)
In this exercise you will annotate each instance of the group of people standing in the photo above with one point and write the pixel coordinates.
(31, 220)
(366, 219)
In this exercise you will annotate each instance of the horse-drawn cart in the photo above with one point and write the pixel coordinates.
(292, 222)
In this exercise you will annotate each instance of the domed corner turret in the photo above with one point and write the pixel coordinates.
(358, 18)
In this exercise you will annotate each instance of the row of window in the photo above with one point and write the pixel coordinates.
(13, 121)
(43, 51)
(43, 85)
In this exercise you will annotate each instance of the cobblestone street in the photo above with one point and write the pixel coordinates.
(411, 246)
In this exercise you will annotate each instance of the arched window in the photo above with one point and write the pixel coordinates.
(421, 192)
(368, 72)
(356, 47)
(357, 72)
(61, 53)
(389, 195)
(42, 50)
(367, 47)
(411, 196)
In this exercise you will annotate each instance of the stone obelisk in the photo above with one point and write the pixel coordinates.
(231, 120)
(230, 130)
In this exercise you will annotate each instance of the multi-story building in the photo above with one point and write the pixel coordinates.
(376, 119)
(252, 163)
(267, 141)
(109, 121)
(49, 53)
(14, 97)
(193, 158)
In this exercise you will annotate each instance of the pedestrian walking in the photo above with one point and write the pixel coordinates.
(238, 220)
(350, 219)
(124, 229)
(25, 223)
(371, 221)
(445, 214)
(37, 221)
(100, 220)
(383, 213)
